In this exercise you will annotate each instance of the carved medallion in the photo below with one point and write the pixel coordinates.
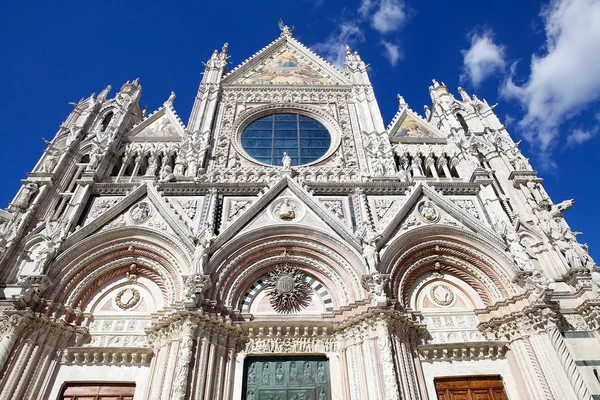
(428, 211)
(127, 298)
(140, 212)
(288, 209)
(287, 289)
(441, 295)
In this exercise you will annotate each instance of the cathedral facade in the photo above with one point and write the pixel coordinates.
(286, 244)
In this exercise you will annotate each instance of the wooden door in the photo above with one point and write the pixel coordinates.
(470, 388)
(97, 391)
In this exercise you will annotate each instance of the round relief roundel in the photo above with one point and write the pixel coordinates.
(302, 138)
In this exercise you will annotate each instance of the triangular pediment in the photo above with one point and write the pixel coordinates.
(285, 62)
(407, 124)
(163, 125)
(143, 207)
(286, 202)
(424, 206)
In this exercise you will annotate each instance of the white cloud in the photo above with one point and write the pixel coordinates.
(333, 48)
(384, 16)
(482, 59)
(389, 15)
(391, 52)
(566, 78)
(578, 136)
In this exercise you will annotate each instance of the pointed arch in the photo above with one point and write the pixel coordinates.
(102, 257)
(239, 263)
(438, 248)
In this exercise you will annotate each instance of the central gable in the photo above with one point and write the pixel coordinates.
(285, 62)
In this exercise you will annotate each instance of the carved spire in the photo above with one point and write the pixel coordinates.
(104, 93)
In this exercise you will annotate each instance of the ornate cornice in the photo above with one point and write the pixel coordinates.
(532, 319)
(107, 356)
(463, 351)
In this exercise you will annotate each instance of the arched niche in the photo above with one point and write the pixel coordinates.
(237, 265)
(455, 251)
(84, 268)
(447, 304)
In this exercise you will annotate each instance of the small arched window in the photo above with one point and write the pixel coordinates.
(106, 122)
(462, 122)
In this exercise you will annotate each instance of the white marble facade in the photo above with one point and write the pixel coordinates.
(144, 251)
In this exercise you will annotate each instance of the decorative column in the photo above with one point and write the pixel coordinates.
(186, 344)
(568, 364)
(203, 347)
(12, 328)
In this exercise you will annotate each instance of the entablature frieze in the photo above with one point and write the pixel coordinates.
(322, 337)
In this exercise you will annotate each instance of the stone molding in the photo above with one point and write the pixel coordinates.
(532, 319)
(107, 356)
(462, 351)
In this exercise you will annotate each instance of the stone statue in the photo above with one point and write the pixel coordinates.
(286, 161)
(537, 282)
(370, 252)
(571, 251)
(517, 250)
(152, 166)
(166, 174)
(24, 199)
(234, 162)
(179, 166)
(49, 163)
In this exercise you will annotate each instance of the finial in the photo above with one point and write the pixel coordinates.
(136, 81)
(285, 30)
(463, 94)
(435, 83)
(170, 100)
(401, 102)
(225, 48)
(104, 93)
(144, 111)
(348, 51)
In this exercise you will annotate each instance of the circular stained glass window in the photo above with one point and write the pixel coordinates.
(304, 139)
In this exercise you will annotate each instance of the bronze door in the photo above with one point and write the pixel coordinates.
(470, 388)
(286, 378)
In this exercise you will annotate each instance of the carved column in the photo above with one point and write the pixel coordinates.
(18, 369)
(401, 340)
(158, 364)
(528, 365)
(186, 344)
(387, 365)
(373, 382)
(568, 364)
(13, 326)
(230, 359)
(170, 369)
(210, 369)
(200, 370)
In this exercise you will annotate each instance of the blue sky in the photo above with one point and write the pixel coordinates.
(538, 60)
